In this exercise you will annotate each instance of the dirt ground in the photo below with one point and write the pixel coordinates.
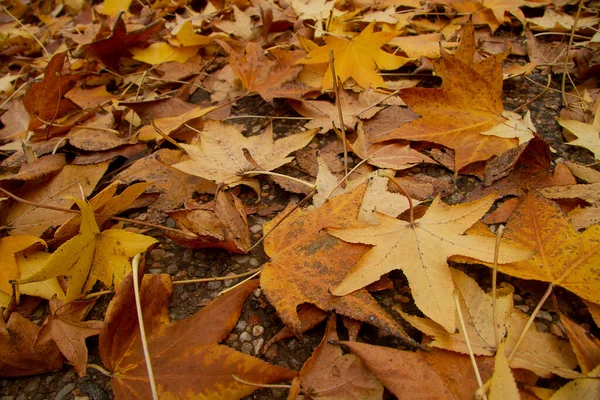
(259, 321)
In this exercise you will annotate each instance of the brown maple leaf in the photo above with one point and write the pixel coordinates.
(185, 355)
(306, 263)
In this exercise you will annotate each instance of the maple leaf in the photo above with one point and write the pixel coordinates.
(564, 257)
(468, 103)
(242, 26)
(306, 262)
(330, 374)
(436, 374)
(27, 219)
(585, 345)
(185, 355)
(420, 250)
(503, 385)
(476, 306)
(65, 327)
(588, 135)
(219, 153)
(45, 100)
(92, 255)
(269, 78)
(358, 58)
(20, 353)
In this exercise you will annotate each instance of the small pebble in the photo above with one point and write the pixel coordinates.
(184, 296)
(247, 348)
(517, 298)
(171, 223)
(213, 285)
(257, 330)
(257, 345)
(95, 391)
(266, 187)
(171, 269)
(254, 262)
(155, 271)
(544, 316)
(523, 308)
(245, 337)
(241, 325)
(33, 385)
(241, 259)
(257, 292)
(62, 393)
(556, 330)
(541, 327)
(256, 228)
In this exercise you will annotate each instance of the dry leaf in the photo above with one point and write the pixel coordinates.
(92, 256)
(219, 153)
(588, 135)
(503, 385)
(306, 263)
(423, 248)
(585, 345)
(185, 355)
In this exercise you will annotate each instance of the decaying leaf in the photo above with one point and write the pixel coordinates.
(420, 250)
(92, 256)
(185, 355)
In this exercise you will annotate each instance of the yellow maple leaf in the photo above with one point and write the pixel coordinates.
(161, 52)
(358, 58)
(92, 256)
(588, 135)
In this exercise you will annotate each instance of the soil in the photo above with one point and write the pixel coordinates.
(259, 321)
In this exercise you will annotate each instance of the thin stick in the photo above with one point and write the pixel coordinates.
(241, 283)
(218, 278)
(571, 36)
(392, 178)
(260, 385)
(494, 283)
(99, 368)
(291, 178)
(267, 117)
(13, 94)
(543, 92)
(395, 92)
(345, 178)
(27, 30)
(189, 235)
(135, 263)
(91, 296)
(464, 331)
(530, 322)
(338, 104)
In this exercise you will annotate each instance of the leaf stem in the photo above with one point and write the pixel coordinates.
(291, 178)
(260, 385)
(494, 283)
(571, 36)
(338, 104)
(69, 210)
(135, 263)
(218, 278)
(99, 368)
(391, 177)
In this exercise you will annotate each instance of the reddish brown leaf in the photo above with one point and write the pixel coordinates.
(186, 358)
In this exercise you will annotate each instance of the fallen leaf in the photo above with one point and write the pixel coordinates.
(306, 263)
(92, 256)
(423, 247)
(161, 52)
(219, 153)
(55, 191)
(242, 26)
(358, 58)
(65, 327)
(45, 100)
(39, 168)
(20, 354)
(581, 389)
(219, 224)
(588, 135)
(170, 124)
(503, 385)
(437, 374)
(173, 186)
(270, 78)
(585, 345)
(330, 374)
(89, 98)
(564, 257)
(185, 355)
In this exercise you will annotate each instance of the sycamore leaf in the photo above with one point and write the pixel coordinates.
(170, 124)
(186, 358)
(219, 153)
(358, 58)
(421, 250)
(540, 352)
(70, 181)
(161, 52)
(306, 263)
(503, 385)
(187, 37)
(329, 374)
(65, 327)
(585, 345)
(581, 389)
(268, 77)
(436, 374)
(11, 270)
(112, 8)
(92, 255)
(588, 135)
(242, 26)
(468, 103)
(564, 257)
(20, 353)
(28, 264)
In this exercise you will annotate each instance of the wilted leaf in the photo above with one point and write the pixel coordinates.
(92, 256)
(423, 248)
(186, 357)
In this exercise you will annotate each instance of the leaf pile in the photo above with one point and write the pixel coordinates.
(126, 126)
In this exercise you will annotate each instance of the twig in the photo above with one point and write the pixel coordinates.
(135, 263)
(494, 283)
(260, 385)
(338, 104)
(571, 36)
(395, 92)
(218, 278)
(27, 30)
(91, 296)
(345, 178)
(464, 331)
(267, 117)
(99, 368)
(391, 177)
(241, 283)
(291, 178)
(543, 92)
(188, 235)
